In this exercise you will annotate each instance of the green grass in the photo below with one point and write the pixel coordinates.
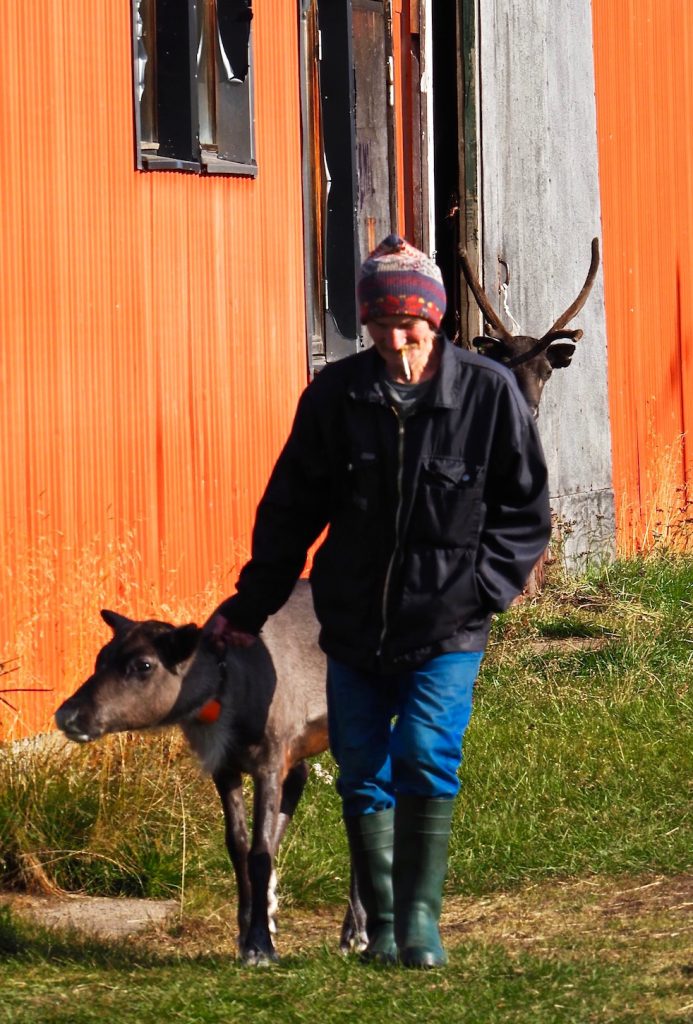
(64, 979)
(108, 819)
(578, 758)
(578, 763)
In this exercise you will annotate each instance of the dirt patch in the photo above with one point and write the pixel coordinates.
(567, 644)
(96, 916)
(540, 915)
(533, 918)
(671, 895)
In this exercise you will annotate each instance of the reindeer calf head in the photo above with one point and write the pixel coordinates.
(532, 360)
(138, 680)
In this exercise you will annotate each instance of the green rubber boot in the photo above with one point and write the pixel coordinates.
(371, 838)
(422, 832)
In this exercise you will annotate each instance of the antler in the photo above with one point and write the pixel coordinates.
(580, 301)
(499, 330)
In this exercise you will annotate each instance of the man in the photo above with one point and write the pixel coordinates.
(424, 463)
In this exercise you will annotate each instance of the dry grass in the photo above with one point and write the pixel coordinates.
(50, 626)
(544, 917)
(663, 519)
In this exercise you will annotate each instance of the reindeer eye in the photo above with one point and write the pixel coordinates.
(140, 667)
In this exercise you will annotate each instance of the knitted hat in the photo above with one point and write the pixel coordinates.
(397, 279)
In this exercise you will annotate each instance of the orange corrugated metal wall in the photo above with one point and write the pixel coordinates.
(152, 346)
(644, 91)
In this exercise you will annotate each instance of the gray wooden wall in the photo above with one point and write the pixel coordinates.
(539, 200)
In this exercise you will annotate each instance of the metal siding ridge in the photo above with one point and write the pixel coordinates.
(155, 347)
(644, 88)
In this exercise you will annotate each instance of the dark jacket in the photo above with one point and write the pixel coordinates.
(434, 522)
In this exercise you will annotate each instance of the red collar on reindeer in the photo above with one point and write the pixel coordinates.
(210, 711)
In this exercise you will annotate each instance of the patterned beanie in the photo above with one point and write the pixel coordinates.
(399, 280)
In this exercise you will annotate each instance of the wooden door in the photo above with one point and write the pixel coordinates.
(376, 211)
(349, 166)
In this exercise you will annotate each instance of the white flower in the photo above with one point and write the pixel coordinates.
(323, 774)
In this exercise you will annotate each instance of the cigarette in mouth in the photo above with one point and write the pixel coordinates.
(405, 364)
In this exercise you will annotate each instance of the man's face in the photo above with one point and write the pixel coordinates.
(394, 336)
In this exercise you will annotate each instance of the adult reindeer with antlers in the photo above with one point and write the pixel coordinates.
(532, 360)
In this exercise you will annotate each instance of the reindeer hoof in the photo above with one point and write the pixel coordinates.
(258, 951)
(260, 958)
(353, 937)
(352, 941)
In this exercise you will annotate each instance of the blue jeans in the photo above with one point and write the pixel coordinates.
(419, 752)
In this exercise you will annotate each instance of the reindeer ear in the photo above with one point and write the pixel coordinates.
(178, 644)
(118, 623)
(560, 354)
(491, 348)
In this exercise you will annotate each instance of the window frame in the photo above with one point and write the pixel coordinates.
(180, 110)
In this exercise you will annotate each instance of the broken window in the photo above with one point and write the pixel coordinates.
(193, 85)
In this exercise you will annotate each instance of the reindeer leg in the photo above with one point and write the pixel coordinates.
(259, 948)
(353, 937)
(230, 789)
(292, 789)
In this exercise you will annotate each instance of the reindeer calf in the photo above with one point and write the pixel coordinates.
(259, 711)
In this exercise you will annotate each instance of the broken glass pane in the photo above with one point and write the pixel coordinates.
(145, 61)
(233, 23)
(206, 33)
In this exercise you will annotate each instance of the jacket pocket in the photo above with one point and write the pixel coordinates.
(362, 482)
(448, 503)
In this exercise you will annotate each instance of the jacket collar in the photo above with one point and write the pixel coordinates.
(366, 386)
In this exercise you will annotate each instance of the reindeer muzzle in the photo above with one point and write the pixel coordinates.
(72, 722)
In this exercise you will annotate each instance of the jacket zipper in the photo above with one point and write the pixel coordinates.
(398, 520)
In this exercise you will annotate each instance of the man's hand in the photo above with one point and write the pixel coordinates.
(222, 633)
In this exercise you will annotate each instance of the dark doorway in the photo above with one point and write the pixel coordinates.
(348, 162)
(446, 149)
(363, 62)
